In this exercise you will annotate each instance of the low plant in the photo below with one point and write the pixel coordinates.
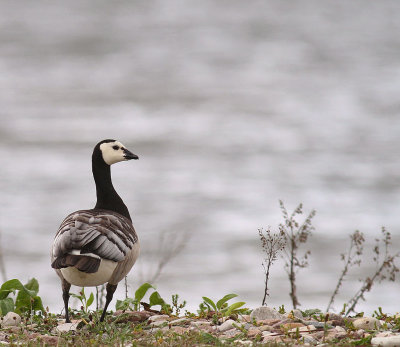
(135, 303)
(295, 233)
(221, 308)
(19, 298)
(85, 302)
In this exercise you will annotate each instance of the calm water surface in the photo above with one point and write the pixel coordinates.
(231, 106)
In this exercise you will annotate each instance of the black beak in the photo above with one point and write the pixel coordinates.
(129, 155)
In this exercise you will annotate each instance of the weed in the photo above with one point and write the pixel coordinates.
(295, 234)
(85, 302)
(26, 300)
(271, 244)
(351, 258)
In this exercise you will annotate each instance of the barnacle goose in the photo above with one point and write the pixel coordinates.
(97, 246)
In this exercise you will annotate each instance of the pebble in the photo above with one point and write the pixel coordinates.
(158, 317)
(231, 333)
(386, 341)
(288, 326)
(178, 321)
(200, 323)
(158, 323)
(297, 313)
(65, 327)
(11, 319)
(303, 329)
(265, 312)
(252, 332)
(226, 325)
(367, 323)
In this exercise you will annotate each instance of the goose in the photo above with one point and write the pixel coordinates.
(98, 245)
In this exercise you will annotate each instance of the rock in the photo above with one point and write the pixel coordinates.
(319, 325)
(200, 323)
(179, 330)
(132, 316)
(65, 327)
(336, 317)
(303, 329)
(297, 313)
(386, 341)
(231, 333)
(158, 317)
(11, 319)
(253, 332)
(178, 321)
(266, 328)
(226, 325)
(158, 323)
(309, 339)
(288, 326)
(244, 318)
(271, 322)
(245, 342)
(265, 312)
(367, 323)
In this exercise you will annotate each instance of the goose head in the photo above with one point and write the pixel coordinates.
(113, 151)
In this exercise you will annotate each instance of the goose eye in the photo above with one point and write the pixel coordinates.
(116, 147)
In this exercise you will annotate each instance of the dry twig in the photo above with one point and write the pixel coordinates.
(295, 234)
(271, 245)
(351, 258)
(385, 268)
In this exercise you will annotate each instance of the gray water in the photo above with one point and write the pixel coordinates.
(231, 106)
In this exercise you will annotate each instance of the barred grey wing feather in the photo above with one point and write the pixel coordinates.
(98, 232)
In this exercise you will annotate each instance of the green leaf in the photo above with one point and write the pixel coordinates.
(210, 303)
(33, 285)
(125, 304)
(37, 304)
(156, 299)
(233, 307)
(225, 299)
(142, 290)
(90, 300)
(6, 305)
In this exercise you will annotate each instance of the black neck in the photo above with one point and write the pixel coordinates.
(107, 197)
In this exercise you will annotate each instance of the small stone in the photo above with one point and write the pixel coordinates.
(265, 312)
(158, 323)
(319, 325)
(179, 330)
(297, 313)
(244, 318)
(252, 332)
(387, 341)
(308, 329)
(289, 326)
(158, 317)
(266, 328)
(367, 323)
(245, 342)
(65, 327)
(200, 323)
(231, 333)
(11, 319)
(226, 325)
(270, 322)
(178, 321)
(309, 339)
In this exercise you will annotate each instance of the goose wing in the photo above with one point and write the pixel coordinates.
(97, 234)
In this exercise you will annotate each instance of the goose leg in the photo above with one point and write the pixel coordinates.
(110, 288)
(65, 288)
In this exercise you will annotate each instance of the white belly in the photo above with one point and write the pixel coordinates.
(82, 279)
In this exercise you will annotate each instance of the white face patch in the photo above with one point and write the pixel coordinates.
(112, 152)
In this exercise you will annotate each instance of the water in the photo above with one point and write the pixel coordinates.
(231, 106)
